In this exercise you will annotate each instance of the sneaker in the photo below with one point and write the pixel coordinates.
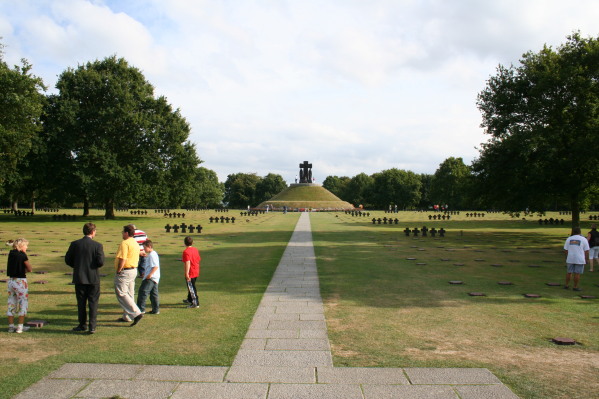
(155, 312)
(186, 301)
(11, 329)
(193, 306)
(137, 319)
(21, 329)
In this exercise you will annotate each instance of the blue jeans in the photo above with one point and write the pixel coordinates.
(148, 287)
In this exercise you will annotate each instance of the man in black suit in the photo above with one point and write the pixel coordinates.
(86, 256)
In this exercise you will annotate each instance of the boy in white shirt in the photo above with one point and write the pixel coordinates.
(151, 277)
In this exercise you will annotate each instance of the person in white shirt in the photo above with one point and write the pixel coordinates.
(577, 253)
(151, 278)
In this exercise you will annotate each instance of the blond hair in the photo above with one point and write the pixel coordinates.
(19, 243)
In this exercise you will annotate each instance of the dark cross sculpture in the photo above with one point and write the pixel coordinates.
(305, 172)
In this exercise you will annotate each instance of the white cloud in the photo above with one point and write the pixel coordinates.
(352, 86)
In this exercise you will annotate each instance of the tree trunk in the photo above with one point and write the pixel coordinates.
(14, 205)
(86, 206)
(109, 212)
(33, 205)
(575, 205)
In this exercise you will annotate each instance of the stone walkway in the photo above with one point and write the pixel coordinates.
(285, 355)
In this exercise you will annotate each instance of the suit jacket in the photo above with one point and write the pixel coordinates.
(85, 256)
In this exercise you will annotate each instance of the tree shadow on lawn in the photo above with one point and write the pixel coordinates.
(375, 272)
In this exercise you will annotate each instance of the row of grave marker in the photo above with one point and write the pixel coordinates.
(183, 228)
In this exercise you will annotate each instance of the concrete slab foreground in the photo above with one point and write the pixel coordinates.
(286, 354)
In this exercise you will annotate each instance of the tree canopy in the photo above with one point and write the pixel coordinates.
(21, 104)
(119, 140)
(543, 118)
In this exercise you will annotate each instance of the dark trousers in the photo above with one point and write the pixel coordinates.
(87, 295)
(193, 284)
(148, 287)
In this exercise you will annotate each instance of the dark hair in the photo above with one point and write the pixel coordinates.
(88, 228)
(575, 230)
(148, 243)
(188, 241)
(129, 230)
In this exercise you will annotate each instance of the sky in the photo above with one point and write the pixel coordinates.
(351, 86)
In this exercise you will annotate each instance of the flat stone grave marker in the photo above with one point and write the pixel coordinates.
(587, 296)
(497, 265)
(3, 281)
(421, 263)
(41, 282)
(421, 249)
(564, 341)
(514, 260)
(410, 258)
(477, 294)
(532, 295)
(37, 323)
(505, 283)
(458, 264)
(534, 265)
(456, 282)
(554, 284)
(40, 272)
(445, 259)
(479, 260)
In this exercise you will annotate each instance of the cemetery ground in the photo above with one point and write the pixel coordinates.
(387, 297)
(389, 303)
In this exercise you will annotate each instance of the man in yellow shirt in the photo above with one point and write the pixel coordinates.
(125, 263)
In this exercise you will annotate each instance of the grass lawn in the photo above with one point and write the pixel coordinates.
(238, 261)
(384, 310)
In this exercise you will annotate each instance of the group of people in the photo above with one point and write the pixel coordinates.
(138, 257)
(135, 257)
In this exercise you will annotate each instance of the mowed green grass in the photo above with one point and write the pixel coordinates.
(238, 261)
(384, 310)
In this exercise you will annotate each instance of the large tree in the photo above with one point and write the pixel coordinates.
(450, 182)
(336, 185)
(21, 103)
(396, 187)
(122, 144)
(543, 118)
(358, 190)
(269, 186)
(240, 190)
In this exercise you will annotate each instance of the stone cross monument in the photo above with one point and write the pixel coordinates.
(305, 172)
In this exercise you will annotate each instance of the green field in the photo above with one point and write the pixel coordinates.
(382, 309)
(238, 261)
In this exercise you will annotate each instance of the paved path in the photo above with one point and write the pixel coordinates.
(285, 355)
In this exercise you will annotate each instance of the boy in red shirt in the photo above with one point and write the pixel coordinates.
(191, 260)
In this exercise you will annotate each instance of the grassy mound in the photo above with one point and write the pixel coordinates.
(312, 196)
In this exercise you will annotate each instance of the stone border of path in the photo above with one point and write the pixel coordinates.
(285, 354)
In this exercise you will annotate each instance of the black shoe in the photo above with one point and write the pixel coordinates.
(122, 320)
(187, 301)
(155, 312)
(92, 331)
(137, 319)
(79, 328)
